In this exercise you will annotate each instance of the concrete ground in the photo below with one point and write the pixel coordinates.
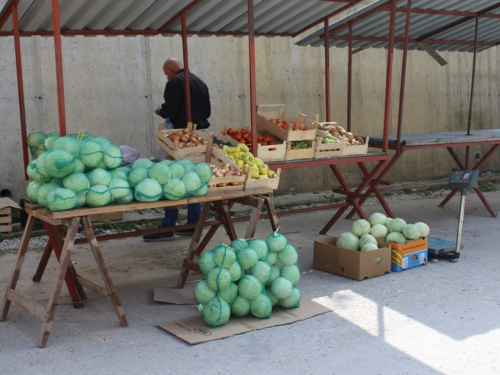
(442, 318)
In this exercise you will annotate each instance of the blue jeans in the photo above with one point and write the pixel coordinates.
(193, 215)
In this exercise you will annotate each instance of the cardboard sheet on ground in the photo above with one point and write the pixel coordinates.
(194, 330)
(174, 296)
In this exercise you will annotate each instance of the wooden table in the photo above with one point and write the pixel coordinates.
(448, 140)
(62, 244)
(355, 196)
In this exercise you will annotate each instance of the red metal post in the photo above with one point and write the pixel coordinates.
(185, 56)
(349, 81)
(59, 67)
(327, 72)
(473, 75)
(253, 89)
(403, 77)
(388, 83)
(20, 88)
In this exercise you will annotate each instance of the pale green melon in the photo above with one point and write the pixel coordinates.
(291, 301)
(260, 247)
(68, 144)
(219, 279)
(249, 287)
(77, 182)
(148, 190)
(142, 162)
(160, 172)
(216, 312)
(129, 198)
(98, 196)
(61, 199)
(276, 242)
(247, 258)
(174, 189)
(261, 307)
(261, 271)
(137, 175)
(59, 163)
(91, 154)
(44, 190)
(291, 273)
(288, 255)
(240, 307)
(113, 156)
(203, 293)
(32, 189)
(99, 176)
(119, 188)
(281, 287)
(204, 171)
(274, 274)
(229, 294)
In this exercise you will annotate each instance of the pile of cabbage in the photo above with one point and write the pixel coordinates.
(364, 233)
(72, 173)
(248, 277)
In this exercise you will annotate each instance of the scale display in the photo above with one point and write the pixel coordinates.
(464, 179)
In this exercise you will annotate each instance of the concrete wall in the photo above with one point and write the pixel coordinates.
(113, 84)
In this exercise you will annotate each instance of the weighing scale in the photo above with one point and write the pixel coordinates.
(442, 249)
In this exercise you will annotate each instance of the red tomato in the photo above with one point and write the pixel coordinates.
(237, 136)
(295, 126)
(263, 143)
(230, 131)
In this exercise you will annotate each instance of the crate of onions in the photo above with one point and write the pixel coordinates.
(183, 143)
(227, 176)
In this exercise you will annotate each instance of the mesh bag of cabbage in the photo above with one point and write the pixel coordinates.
(186, 179)
(285, 273)
(218, 289)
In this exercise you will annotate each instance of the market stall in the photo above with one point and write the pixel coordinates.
(430, 27)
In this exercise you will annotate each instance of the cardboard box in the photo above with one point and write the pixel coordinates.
(410, 255)
(352, 264)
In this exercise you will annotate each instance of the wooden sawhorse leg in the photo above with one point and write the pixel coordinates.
(109, 291)
(46, 315)
(55, 243)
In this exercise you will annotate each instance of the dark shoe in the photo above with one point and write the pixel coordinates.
(185, 232)
(156, 237)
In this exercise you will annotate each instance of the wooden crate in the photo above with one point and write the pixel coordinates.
(234, 183)
(356, 149)
(327, 150)
(301, 153)
(288, 134)
(266, 183)
(265, 153)
(6, 220)
(194, 154)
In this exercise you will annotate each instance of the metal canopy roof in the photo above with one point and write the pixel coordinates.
(445, 25)
(152, 17)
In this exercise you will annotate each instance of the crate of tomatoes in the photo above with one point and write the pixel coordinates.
(269, 147)
(274, 119)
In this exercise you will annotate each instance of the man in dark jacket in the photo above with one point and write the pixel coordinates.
(174, 109)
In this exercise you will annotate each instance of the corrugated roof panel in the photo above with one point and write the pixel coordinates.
(377, 25)
(274, 17)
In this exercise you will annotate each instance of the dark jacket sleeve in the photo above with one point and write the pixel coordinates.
(173, 96)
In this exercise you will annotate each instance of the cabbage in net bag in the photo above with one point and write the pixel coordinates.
(250, 276)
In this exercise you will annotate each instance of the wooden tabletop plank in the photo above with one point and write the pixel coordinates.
(53, 217)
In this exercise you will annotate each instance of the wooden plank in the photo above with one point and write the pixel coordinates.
(34, 308)
(107, 216)
(6, 211)
(93, 287)
(6, 219)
